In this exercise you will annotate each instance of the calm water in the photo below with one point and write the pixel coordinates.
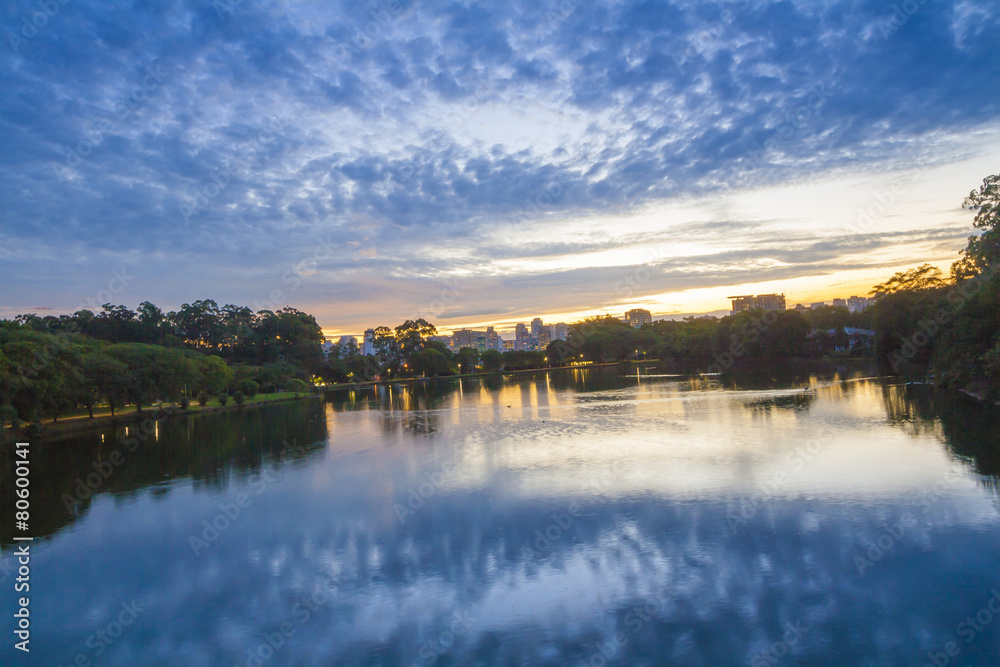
(583, 517)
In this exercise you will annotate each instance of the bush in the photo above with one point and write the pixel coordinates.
(185, 402)
(223, 398)
(239, 397)
(203, 398)
(296, 385)
(247, 387)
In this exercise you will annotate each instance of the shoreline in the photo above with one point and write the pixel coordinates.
(48, 430)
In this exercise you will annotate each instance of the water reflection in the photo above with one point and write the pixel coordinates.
(212, 452)
(586, 516)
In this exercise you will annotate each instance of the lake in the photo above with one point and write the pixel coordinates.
(578, 517)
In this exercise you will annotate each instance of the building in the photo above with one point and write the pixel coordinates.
(638, 316)
(759, 302)
(369, 348)
(536, 327)
(520, 337)
(840, 303)
(544, 337)
(493, 341)
(856, 304)
(800, 308)
(818, 304)
(463, 338)
(560, 331)
(347, 340)
(508, 345)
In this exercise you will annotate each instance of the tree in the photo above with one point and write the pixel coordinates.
(296, 385)
(198, 324)
(467, 358)
(828, 317)
(386, 347)
(273, 376)
(155, 372)
(214, 374)
(151, 322)
(925, 276)
(983, 250)
(410, 335)
(492, 361)
(430, 363)
(104, 378)
(246, 387)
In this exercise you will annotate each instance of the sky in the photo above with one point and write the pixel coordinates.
(485, 163)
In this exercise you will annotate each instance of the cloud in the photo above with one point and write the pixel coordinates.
(274, 125)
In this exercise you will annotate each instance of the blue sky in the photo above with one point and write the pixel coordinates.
(472, 163)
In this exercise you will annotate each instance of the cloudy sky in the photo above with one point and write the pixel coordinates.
(483, 162)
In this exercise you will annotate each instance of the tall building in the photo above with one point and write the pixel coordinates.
(759, 302)
(520, 336)
(369, 349)
(560, 331)
(818, 304)
(508, 345)
(493, 341)
(536, 327)
(544, 337)
(347, 340)
(856, 304)
(638, 316)
(464, 338)
(840, 302)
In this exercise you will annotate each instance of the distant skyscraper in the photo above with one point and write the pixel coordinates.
(520, 336)
(369, 349)
(560, 331)
(840, 302)
(493, 340)
(637, 317)
(817, 304)
(347, 340)
(536, 327)
(759, 302)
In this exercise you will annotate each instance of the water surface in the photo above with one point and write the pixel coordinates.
(574, 517)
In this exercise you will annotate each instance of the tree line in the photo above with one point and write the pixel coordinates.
(51, 366)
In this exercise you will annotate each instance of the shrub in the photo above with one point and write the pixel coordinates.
(296, 385)
(223, 398)
(239, 397)
(203, 398)
(247, 387)
(185, 402)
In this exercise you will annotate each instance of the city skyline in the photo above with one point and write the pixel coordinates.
(853, 303)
